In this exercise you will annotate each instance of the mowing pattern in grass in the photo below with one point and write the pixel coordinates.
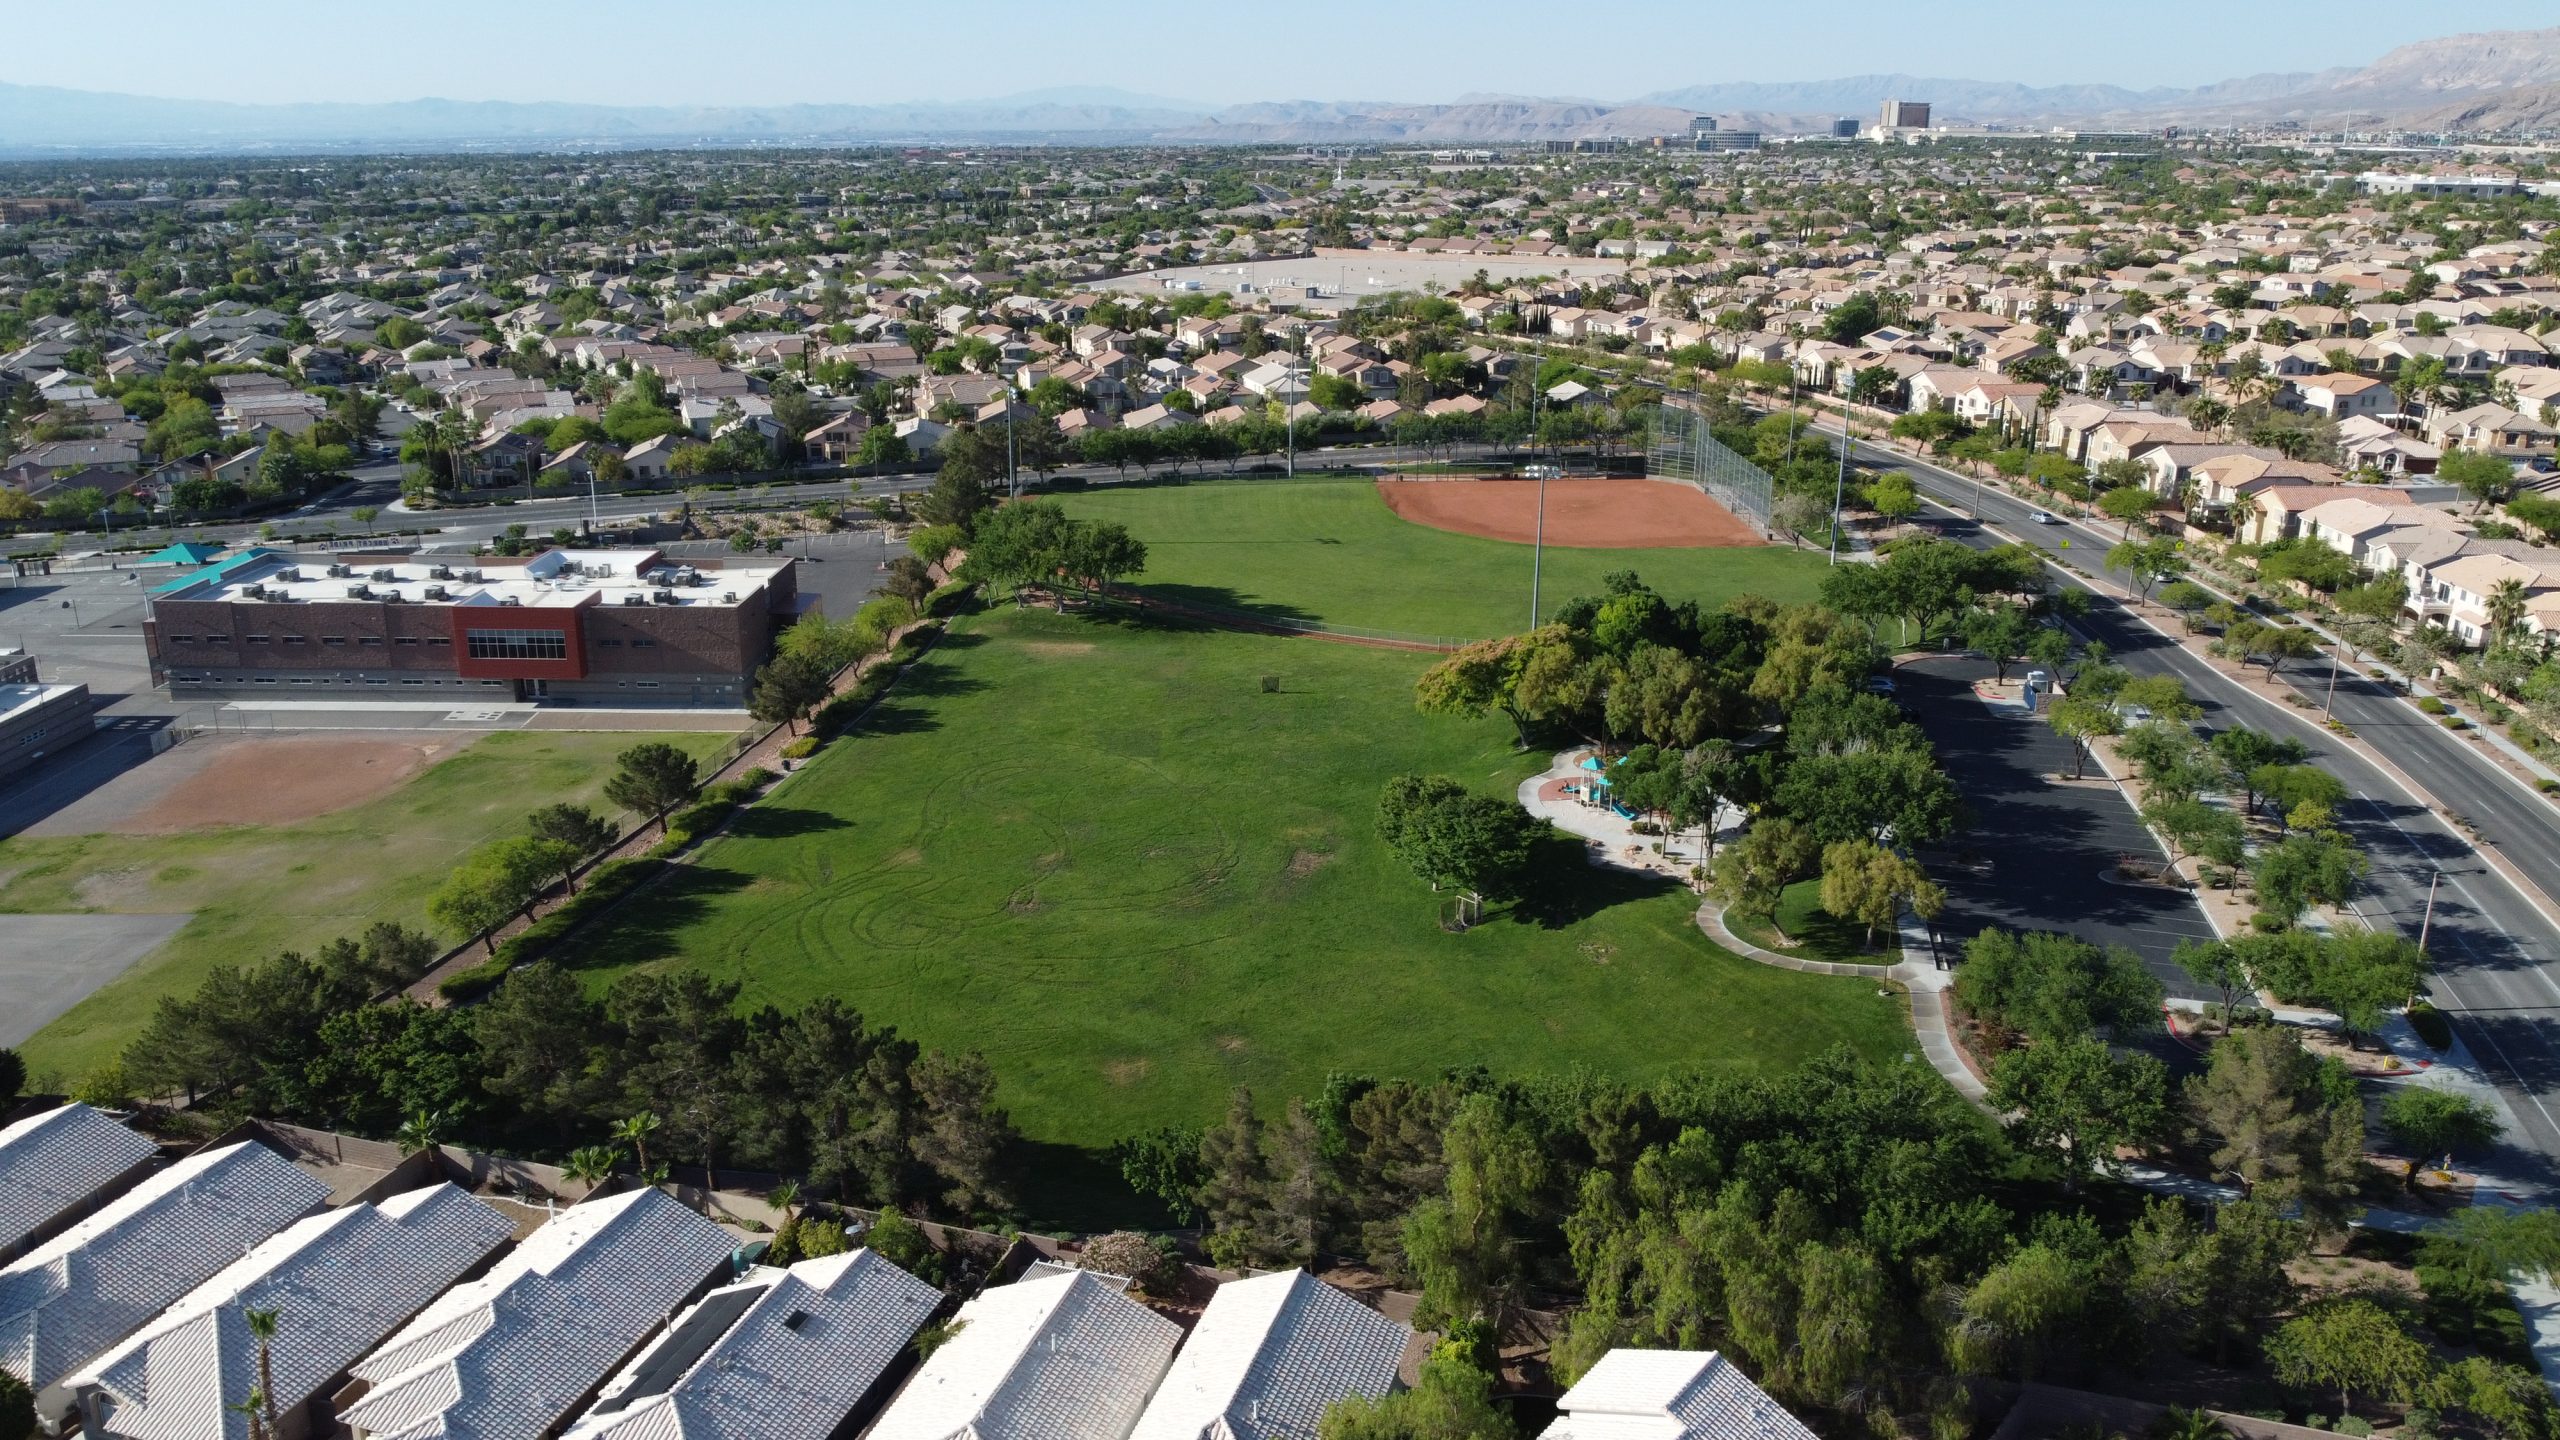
(1103, 855)
(1813, 933)
(256, 891)
(1331, 551)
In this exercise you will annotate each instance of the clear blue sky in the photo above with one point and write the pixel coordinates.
(866, 51)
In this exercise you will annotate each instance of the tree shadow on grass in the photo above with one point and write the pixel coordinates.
(1072, 1188)
(1564, 888)
(648, 925)
(782, 822)
(928, 677)
(1215, 600)
(889, 717)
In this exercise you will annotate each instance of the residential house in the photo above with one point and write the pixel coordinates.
(344, 1279)
(2339, 397)
(1670, 1395)
(500, 460)
(1053, 1355)
(779, 1355)
(1269, 1356)
(67, 1301)
(55, 1166)
(511, 1354)
(648, 460)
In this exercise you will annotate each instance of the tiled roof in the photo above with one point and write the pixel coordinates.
(1066, 1355)
(90, 1286)
(1670, 1395)
(50, 1163)
(1269, 1355)
(781, 1355)
(510, 1353)
(339, 1280)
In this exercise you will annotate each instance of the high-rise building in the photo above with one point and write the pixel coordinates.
(1906, 115)
(1844, 128)
(1703, 125)
(1727, 140)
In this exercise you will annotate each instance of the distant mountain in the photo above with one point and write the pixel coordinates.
(2506, 80)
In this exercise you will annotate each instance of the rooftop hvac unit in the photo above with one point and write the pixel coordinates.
(635, 598)
(290, 572)
(473, 576)
(510, 600)
(359, 592)
(254, 592)
(386, 573)
(439, 572)
(687, 575)
(391, 597)
(341, 572)
(728, 597)
(664, 597)
(438, 592)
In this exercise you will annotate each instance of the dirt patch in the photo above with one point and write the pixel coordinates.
(1232, 1044)
(1125, 1073)
(271, 780)
(1581, 514)
(1059, 648)
(1306, 863)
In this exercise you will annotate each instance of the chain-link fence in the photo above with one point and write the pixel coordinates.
(1679, 447)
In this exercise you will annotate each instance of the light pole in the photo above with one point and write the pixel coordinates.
(1840, 486)
(1538, 544)
(2331, 699)
(2428, 921)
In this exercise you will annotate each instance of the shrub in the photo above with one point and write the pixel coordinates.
(903, 1243)
(2451, 722)
(802, 748)
(2269, 922)
(2431, 1026)
(1126, 1252)
(2432, 705)
(2547, 787)
(475, 981)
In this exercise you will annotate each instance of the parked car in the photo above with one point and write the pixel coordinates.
(1880, 685)
(2042, 517)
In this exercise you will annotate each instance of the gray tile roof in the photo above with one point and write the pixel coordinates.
(1065, 1355)
(51, 1164)
(339, 1282)
(509, 1355)
(781, 1355)
(92, 1285)
(1269, 1355)
(1670, 1395)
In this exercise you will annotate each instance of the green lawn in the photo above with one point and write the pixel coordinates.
(255, 891)
(1331, 550)
(1813, 933)
(1101, 854)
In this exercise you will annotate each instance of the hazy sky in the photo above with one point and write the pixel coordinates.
(858, 51)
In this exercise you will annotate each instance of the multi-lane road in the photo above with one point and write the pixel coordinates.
(2493, 943)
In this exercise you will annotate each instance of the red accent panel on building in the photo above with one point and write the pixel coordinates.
(562, 620)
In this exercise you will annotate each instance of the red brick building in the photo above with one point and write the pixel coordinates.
(597, 627)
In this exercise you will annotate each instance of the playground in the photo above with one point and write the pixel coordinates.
(1590, 514)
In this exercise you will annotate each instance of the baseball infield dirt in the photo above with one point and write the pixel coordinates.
(1581, 514)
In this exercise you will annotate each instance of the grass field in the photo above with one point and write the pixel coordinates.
(256, 891)
(1101, 854)
(1331, 551)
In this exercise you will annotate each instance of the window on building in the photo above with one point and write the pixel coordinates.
(297, 640)
(369, 640)
(439, 640)
(516, 644)
(255, 639)
(644, 644)
(182, 639)
(333, 639)
(407, 640)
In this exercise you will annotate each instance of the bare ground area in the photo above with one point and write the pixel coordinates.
(1581, 514)
(217, 780)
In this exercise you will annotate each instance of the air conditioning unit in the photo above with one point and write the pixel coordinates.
(386, 573)
(664, 597)
(390, 597)
(438, 592)
(635, 598)
(687, 575)
(341, 572)
(472, 576)
(254, 592)
(290, 572)
(439, 572)
(359, 592)
(509, 600)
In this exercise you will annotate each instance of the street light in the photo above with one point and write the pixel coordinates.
(1538, 544)
(2428, 921)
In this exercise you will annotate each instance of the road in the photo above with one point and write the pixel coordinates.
(2488, 938)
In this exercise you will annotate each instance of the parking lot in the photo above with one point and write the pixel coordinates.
(2040, 853)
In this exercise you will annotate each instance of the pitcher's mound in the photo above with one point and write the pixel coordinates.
(1581, 514)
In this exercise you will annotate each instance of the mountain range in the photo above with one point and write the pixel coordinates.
(2507, 80)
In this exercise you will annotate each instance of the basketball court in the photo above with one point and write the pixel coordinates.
(1581, 514)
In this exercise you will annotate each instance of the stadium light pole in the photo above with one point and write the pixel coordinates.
(1840, 486)
(1538, 549)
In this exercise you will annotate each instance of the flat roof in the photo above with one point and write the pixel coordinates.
(639, 578)
(17, 699)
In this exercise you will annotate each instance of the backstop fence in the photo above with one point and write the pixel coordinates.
(1679, 447)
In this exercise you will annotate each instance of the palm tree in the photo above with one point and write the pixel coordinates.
(785, 1197)
(635, 1132)
(2506, 608)
(592, 1165)
(423, 1130)
(261, 1402)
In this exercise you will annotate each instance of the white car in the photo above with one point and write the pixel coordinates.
(2042, 517)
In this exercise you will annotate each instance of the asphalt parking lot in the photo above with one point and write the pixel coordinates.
(2038, 849)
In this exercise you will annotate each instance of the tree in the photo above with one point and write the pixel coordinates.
(1471, 843)
(2022, 1312)
(958, 497)
(1465, 1244)
(2187, 598)
(635, 1130)
(2083, 720)
(651, 778)
(2050, 986)
(1893, 498)
(261, 1325)
(2244, 752)
(2350, 1345)
(2127, 503)
(591, 1165)
(2197, 827)
(2307, 868)
(1483, 677)
(582, 831)
(961, 1136)
(2213, 963)
(2002, 632)
(18, 1408)
(2148, 561)
(1754, 872)
(1868, 884)
(788, 687)
(2488, 479)
(2428, 1121)
(496, 881)
(2288, 1127)
(2082, 1097)
(1869, 794)
(1453, 1401)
